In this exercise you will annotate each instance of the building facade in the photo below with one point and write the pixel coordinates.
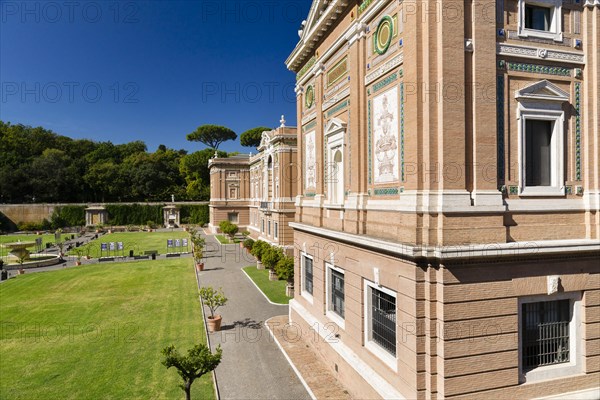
(229, 191)
(447, 231)
(273, 187)
(258, 192)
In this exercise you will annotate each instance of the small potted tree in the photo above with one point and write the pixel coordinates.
(285, 271)
(258, 250)
(245, 234)
(79, 254)
(248, 244)
(198, 243)
(199, 361)
(270, 259)
(213, 299)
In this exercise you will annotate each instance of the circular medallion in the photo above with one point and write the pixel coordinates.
(383, 35)
(310, 96)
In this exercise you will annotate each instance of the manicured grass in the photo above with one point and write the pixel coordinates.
(139, 242)
(225, 240)
(274, 290)
(24, 238)
(97, 332)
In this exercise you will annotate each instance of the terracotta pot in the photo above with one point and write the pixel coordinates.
(214, 324)
(21, 271)
(78, 263)
(200, 267)
(259, 265)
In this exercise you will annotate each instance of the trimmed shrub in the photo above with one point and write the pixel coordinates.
(285, 269)
(259, 248)
(271, 257)
(228, 228)
(68, 216)
(133, 214)
(195, 214)
(248, 244)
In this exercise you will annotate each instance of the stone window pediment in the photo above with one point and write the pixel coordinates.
(542, 91)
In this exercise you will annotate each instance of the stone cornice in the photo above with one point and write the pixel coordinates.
(460, 252)
(539, 53)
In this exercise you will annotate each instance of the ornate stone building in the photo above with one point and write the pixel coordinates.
(258, 192)
(447, 228)
(229, 191)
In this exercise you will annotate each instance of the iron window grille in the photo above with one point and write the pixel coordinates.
(308, 275)
(337, 292)
(545, 333)
(383, 320)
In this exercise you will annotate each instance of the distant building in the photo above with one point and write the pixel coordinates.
(447, 226)
(258, 192)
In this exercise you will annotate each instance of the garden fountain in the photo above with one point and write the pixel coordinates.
(20, 257)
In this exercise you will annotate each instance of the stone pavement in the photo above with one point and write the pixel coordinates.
(252, 367)
(309, 364)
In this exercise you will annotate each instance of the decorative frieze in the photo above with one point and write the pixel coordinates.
(364, 5)
(338, 72)
(338, 108)
(539, 53)
(539, 69)
(392, 191)
(402, 132)
(309, 117)
(380, 85)
(578, 131)
(384, 69)
(369, 141)
(336, 98)
(309, 64)
(500, 128)
(309, 126)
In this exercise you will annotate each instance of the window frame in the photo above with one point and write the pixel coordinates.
(304, 293)
(534, 103)
(237, 219)
(375, 348)
(575, 364)
(275, 230)
(556, 26)
(333, 315)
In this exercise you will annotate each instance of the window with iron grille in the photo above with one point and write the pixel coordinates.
(382, 320)
(336, 280)
(308, 274)
(545, 338)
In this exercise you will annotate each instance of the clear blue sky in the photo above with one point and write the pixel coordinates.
(148, 70)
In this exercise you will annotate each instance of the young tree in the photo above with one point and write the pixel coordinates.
(252, 137)
(229, 229)
(198, 361)
(212, 135)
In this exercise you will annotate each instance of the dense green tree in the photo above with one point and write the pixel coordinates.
(252, 137)
(212, 135)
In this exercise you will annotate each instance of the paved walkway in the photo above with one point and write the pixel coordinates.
(252, 367)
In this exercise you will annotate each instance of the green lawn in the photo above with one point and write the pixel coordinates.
(274, 290)
(97, 332)
(139, 242)
(225, 240)
(24, 238)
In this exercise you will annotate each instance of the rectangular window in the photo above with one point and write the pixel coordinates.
(233, 217)
(275, 230)
(576, 22)
(538, 158)
(382, 320)
(336, 280)
(546, 333)
(269, 228)
(538, 18)
(263, 226)
(307, 265)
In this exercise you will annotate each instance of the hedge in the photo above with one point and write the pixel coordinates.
(198, 215)
(68, 216)
(134, 214)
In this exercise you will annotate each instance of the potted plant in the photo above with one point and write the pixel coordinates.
(285, 271)
(213, 299)
(198, 243)
(248, 244)
(270, 259)
(88, 250)
(245, 234)
(258, 250)
(79, 254)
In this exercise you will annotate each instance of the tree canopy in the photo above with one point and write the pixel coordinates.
(38, 165)
(252, 137)
(212, 135)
